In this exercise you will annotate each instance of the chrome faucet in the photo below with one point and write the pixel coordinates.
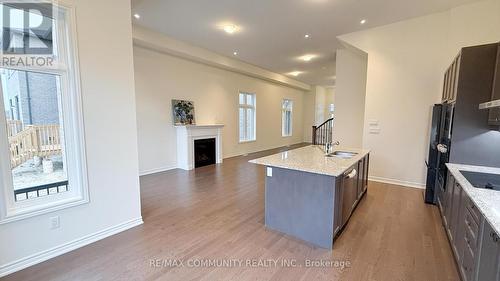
(329, 146)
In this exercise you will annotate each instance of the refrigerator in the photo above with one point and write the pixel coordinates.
(432, 162)
(439, 150)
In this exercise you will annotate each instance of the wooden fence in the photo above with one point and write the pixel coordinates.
(34, 140)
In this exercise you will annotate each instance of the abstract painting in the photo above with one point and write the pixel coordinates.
(183, 112)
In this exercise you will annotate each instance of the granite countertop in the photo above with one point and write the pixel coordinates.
(312, 159)
(487, 201)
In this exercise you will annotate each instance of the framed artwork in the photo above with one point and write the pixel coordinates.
(183, 111)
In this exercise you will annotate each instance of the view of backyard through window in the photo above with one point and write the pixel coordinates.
(32, 106)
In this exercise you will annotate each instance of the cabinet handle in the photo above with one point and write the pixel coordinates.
(352, 174)
(494, 236)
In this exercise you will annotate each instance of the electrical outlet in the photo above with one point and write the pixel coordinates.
(55, 222)
(269, 172)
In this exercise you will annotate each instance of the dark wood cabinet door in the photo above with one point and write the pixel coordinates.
(496, 82)
(361, 174)
(365, 176)
(337, 223)
(494, 115)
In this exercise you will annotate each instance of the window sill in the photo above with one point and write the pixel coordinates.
(287, 136)
(247, 141)
(20, 213)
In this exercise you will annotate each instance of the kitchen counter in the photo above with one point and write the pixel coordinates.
(312, 159)
(487, 201)
(311, 196)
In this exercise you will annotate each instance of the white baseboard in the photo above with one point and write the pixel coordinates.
(157, 170)
(397, 182)
(67, 247)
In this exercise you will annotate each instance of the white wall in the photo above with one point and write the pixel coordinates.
(316, 108)
(309, 114)
(107, 84)
(320, 114)
(406, 63)
(161, 77)
(151, 39)
(350, 88)
(473, 24)
(329, 98)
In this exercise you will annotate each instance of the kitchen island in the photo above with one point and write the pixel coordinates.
(311, 195)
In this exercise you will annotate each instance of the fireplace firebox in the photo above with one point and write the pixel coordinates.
(204, 152)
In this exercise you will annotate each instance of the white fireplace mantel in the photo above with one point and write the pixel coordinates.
(186, 135)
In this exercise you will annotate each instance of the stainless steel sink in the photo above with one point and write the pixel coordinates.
(342, 154)
(482, 180)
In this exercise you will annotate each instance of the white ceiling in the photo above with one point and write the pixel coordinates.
(272, 31)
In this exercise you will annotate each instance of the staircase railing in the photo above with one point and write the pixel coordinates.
(323, 133)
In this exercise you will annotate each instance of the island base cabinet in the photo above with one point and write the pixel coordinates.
(302, 205)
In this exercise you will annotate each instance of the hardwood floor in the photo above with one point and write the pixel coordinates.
(217, 212)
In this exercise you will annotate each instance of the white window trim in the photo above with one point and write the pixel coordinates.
(74, 141)
(283, 110)
(254, 108)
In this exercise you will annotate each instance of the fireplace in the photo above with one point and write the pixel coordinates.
(204, 152)
(187, 139)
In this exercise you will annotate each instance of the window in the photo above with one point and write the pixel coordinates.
(42, 162)
(286, 118)
(247, 117)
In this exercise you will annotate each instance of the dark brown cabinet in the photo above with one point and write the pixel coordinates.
(494, 115)
(451, 81)
(361, 177)
(349, 192)
(496, 82)
(353, 183)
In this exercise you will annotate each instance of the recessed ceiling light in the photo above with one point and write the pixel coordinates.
(235, 53)
(307, 36)
(295, 73)
(137, 16)
(308, 57)
(362, 21)
(230, 28)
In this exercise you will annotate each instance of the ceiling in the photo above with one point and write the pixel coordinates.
(272, 32)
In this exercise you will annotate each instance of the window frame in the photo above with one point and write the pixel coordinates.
(283, 117)
(253, 108)
(73, 136)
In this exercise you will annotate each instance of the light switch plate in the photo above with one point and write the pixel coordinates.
(269, 171)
